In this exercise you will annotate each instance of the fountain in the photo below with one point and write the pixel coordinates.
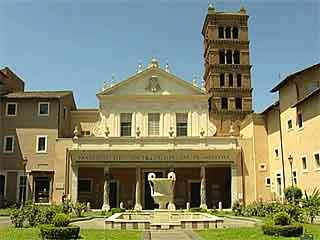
(162, 190)
(164, 218)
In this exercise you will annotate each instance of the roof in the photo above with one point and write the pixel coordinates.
(314, 93)
(39, 94)
(275, 104)
(288, 78)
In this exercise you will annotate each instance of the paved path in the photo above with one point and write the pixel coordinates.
(97, 223)
(169, 236)
(4, 222)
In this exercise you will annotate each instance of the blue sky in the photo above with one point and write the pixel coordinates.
(76, 45)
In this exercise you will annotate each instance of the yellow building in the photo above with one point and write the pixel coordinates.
(156, 122)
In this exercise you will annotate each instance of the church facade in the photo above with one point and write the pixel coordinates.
(220, 151)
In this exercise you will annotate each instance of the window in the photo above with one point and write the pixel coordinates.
(279, 184)
(125, 124)
(222, 57)
(236, 57)
(224, 103)
(182, 124)
(222, 80)
(304, 163)
(230, 80)
(41, 144)
(235, 33)
(294, 176)
(289, 124)
(239, 80)
(262, 167)
(8, 144)
(22, 188)
(65, 112)
(276, 153)
(238, 103)
(229, 56)
(299, 120)
(228, 32)
(2, 185)
(317, 160)
(84, 185)
(43, 109)
(268, 182)
(11, 109)
(153, 124)
(221, 32)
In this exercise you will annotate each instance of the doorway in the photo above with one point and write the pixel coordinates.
(194, 198)
(113, 195)
(148, 199)
(42, 189)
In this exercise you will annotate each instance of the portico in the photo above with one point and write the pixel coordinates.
(205, 176)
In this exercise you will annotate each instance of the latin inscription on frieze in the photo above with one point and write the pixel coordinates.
(156, 156)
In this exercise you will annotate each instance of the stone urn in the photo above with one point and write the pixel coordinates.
(162, 190)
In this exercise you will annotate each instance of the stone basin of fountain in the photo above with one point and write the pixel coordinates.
(166, 217)
(163, 220)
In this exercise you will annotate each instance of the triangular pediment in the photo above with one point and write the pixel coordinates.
(152, 81)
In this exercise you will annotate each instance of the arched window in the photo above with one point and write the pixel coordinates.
(221, 56)
(228, 32)
(238, 103)
(229, 56)
(221, 32)
(230, 80)
(235, 33)
(236, 57)
(224, 103)
(222, 80)
(239, 80)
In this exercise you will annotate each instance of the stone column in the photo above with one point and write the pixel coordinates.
(234, 182)
(138, 206)
(106, 190)
(74, 183)
(203, 200)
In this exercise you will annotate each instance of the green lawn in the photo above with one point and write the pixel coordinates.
(251, 234)
(86, 234)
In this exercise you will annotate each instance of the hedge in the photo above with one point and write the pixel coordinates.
(294, 230)
(117, 210)
(49, 231)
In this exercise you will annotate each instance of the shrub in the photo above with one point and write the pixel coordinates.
(294, 230)
(293, 194)
(47, 214)
(237, 208)
(61, 220)
(48, 231)
(282, 219)
(311, 204)
(79, 208)
(17, 217)
(117, 210)
(32, 213)
(66, 207)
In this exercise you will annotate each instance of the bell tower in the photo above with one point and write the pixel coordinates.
(227, 68)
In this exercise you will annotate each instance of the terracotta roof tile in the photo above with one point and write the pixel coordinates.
(39, 94)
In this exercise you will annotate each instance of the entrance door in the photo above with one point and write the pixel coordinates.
(194, 194)
(148, 200)
(42, 189)
(113, 194)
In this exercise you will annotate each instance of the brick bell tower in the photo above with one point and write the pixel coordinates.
(227, 68)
